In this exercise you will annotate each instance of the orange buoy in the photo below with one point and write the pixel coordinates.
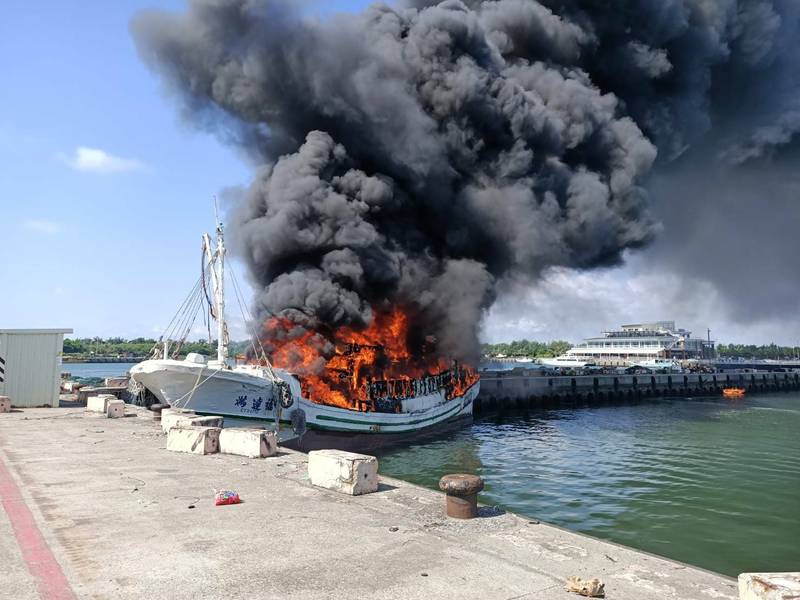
(733, 392)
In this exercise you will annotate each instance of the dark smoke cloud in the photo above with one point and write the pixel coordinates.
(683, 69)
(726, 118)
(738, 229)
(715, 84)
(429, 155)
(408, 161)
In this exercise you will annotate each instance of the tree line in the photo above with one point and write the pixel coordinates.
(527, 348)
(770, 351)
(138, 347)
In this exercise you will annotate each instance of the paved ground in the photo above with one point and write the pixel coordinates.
(114, 508)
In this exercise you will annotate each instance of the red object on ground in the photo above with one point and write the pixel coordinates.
(224, 497)
(42, 565)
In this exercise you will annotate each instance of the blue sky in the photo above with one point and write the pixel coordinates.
(104, 191)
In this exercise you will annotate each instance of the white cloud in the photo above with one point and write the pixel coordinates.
(573, 305)
(94, 160)
(42, 226)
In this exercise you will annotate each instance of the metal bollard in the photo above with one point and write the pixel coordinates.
(156, 410)
(462, 495)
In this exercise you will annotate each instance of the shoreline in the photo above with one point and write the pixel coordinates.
(101, 361)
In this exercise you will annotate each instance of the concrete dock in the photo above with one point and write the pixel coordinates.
(118, 516)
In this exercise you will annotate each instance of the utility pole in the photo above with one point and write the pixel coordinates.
(711, 350)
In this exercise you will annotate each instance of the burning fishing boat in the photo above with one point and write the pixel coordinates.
(348, 389)
(411, 166)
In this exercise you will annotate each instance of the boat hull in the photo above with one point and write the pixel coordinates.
(330, 427)
(318, 439)
(254, 397)
(207, 390)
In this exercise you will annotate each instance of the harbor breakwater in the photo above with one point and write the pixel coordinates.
(527, 388)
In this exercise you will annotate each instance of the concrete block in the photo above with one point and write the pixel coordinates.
(115, 409)
(252, 443)
(5, 404)
(99, 403)
(211, 421)
(70, 386)
(170, 417)
(345, 472)
(769, 586)
(85, 392)
(193, 440)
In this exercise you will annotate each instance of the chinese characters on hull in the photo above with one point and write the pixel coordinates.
(253, 405)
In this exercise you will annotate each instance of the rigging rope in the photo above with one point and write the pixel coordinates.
(178, 315)
(248, 320)
(197, 385)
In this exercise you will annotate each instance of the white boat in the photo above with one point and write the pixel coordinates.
(563, 362)
(267, 394)
(658, 364)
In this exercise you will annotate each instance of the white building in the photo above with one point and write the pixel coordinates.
(641, 342)
(30, 365)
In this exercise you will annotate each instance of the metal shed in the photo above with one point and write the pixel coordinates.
(30, 365)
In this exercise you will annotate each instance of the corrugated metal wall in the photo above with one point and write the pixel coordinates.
(31, 365)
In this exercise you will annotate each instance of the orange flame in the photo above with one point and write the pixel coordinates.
(369, 369)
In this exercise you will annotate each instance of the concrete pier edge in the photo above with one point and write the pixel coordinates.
(111, 502)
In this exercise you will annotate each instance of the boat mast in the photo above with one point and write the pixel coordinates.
(222, 345)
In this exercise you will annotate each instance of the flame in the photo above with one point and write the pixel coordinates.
(371, 369)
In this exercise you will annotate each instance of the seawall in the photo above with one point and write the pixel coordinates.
(527, 388)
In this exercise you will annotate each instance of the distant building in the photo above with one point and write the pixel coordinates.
(640, 342)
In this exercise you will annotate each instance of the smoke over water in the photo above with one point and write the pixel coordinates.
(426, 157)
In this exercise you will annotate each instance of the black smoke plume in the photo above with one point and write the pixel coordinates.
(715, 85)
(426, 156)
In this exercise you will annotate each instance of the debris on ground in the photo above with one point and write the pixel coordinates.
(225, 497)
(592, 588)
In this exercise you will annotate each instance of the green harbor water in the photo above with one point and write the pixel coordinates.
(708, 482)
